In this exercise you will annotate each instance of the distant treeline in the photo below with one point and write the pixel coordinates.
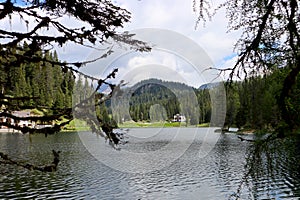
(157, 100)
(251, 103)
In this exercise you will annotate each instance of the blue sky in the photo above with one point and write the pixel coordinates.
(20, 2)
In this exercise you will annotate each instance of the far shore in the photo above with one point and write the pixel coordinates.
(80, 126)
(9, 130)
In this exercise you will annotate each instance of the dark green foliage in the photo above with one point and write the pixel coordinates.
(48, 85)
(204, 102)
(257, 102)
(157, 100)
(148, 95)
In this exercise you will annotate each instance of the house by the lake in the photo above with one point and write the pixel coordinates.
(179, 118)
(21, 122)
(22, 114)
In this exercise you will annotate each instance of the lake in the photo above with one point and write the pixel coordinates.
(156, 163)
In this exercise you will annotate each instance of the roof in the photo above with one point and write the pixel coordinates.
(21, 113)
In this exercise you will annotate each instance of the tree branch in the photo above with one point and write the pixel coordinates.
(46, 168)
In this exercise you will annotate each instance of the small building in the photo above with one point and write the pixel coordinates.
(22, 123)
(179, 118)
(14, 122)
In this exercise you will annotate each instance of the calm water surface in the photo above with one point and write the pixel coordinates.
(81, 176)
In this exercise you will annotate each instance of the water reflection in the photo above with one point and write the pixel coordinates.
(274, 169)
(216, 176)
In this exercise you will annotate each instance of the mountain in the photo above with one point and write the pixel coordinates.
(208, 86)
(155, 100)
(159, 82)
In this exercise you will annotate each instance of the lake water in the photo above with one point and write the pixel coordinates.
(155, 164)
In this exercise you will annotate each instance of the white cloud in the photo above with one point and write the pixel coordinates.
(163, 65)
(177, 15)
(140, 61)
(174, 15)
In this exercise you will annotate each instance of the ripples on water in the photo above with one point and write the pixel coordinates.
(80, 176)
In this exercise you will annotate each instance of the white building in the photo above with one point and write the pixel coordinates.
(179, 118)
(21, 123)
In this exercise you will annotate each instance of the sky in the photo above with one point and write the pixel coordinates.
(176, 18)
(181, 53)
(178, 15)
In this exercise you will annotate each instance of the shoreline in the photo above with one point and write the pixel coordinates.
(83, 129)
(9, 130)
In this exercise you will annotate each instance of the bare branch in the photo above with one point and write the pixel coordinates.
(47, 168)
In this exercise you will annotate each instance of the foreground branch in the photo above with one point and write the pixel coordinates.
(46, 168)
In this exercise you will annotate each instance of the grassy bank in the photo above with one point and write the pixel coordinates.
(77, 125)
(132, 124)
(80, 125)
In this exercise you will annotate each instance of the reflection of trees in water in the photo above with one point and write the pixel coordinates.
(230, 164)
(272, 169)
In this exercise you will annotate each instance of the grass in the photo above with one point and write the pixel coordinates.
(77, 125)
(36, 112)
(132, 124)
(80, 125)
(203, 125)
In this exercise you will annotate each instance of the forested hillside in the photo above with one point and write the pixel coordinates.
(45, 85)
(157, 100)
(251, 103)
